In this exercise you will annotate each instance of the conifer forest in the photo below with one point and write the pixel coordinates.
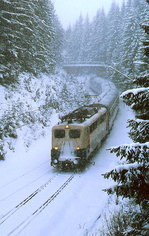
(33, 49)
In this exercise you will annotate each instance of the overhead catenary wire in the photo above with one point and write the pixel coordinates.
(118, 71)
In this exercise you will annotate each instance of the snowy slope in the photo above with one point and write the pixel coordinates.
(37, 200)
(26, 108)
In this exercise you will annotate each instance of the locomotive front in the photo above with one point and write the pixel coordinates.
(69, 145)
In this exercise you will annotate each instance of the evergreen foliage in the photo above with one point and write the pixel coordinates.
(139, 131)
(114, 23)
(132, 178)
(142, 81)
(133, 153)
(28, 33)
(131, 182)
(124, 221)
(113, 39)
(138, 99)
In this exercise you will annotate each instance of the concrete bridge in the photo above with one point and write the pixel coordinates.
(91, 68)
(86, 68)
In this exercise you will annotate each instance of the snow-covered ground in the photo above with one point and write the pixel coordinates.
(37, 200)
(26, 107)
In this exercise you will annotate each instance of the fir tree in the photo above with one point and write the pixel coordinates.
(67, 45)
(57, 43)
(99, 38)
(132, 177)
(76, 40)
(114, 35)
(27, 37)
(86, 41)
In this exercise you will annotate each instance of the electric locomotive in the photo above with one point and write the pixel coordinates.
(82, 131)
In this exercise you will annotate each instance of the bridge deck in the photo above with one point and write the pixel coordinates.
(84, 65)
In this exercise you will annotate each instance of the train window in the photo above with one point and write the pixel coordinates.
(93, 126)
(91, 129)
(99, 121)
(59, 133)
(102, 118)
(74, 133)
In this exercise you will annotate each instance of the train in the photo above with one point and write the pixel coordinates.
(81, 132)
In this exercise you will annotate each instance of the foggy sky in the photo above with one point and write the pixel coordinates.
(69, 11)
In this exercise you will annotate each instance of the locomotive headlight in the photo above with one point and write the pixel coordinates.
(78, 148)
(67, 127)
(56, 148)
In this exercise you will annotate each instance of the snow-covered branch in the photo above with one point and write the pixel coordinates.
(132, 181)
(139, 131)
(132, 152)
(138, 98)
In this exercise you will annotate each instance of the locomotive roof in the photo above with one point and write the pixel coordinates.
(82, 113)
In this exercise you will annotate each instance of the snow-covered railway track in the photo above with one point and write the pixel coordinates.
(18, 189)
(25, 201)
(12, 224)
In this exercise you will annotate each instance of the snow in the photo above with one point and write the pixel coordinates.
(139, 120)
(38, 200)
(131, 145)
(67, 152)
(127, 167)
(29, 105)
(134, 91)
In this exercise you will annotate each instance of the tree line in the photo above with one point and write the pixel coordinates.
(30, 38)
(113, 39)
(131, 177)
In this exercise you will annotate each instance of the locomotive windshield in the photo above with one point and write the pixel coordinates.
(74, 133)
(59, 133)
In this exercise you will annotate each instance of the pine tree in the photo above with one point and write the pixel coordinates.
(114, 35)
(57, 43)
(86, 41)
(67, 45)
(131, 37)
(99, 39)
(132, 177)
(74, 38)
(27, 37)
(114, 39)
